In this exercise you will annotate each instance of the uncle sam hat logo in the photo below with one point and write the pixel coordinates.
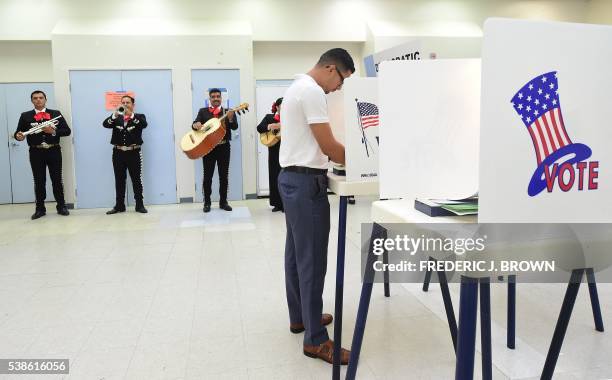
(558, 157)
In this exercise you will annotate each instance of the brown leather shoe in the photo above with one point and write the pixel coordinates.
(326, 352)
(297, 328)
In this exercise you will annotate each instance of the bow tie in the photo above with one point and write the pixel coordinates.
(42, 116)
(127, 118)
(214, 110)
(277, 117)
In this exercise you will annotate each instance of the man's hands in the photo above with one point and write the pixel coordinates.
(274, 126)
(49, 130)
(197, 125)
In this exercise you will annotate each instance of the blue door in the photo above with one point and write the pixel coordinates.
(14, 100)
(153, 90)
(6, 195)
(93, 152)
(229, 82)
(95, 182)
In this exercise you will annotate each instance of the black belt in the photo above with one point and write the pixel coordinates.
(305, 170)
(44, 146)
(126, 148)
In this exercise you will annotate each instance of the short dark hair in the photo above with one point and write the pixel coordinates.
(213, 91)
(37, 92)
(128, 96)
(339, 57)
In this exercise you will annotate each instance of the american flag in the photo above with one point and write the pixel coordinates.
(368, 113)
(537, 103)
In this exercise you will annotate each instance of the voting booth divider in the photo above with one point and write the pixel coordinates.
(545, 142)
(542, 106)
(430, 111)
(355, 120)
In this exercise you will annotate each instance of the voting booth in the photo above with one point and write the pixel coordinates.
(354, 118)
(545, 141)
(533, 144)
(514, 145)
(429, 113)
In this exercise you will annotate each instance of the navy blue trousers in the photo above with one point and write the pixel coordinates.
(307, 216)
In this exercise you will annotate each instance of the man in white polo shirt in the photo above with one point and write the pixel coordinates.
(308, 145)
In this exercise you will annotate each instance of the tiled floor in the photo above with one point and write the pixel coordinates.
(176, 294)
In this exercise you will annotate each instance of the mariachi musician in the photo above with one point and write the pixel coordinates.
(127, 129)
(43, 128)
(270, 123)
(220, 155)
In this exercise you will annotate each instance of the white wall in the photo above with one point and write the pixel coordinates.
(314, 20)
(294, 20)
(25, 61)
(282, 60)
(599, 12)
(178, 52)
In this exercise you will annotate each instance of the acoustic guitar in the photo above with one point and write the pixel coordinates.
(197, 144)
(270, 138)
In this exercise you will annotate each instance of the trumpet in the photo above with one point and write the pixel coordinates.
(120, 110)
(37, 129)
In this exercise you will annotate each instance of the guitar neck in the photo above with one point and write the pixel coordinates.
(225, 115)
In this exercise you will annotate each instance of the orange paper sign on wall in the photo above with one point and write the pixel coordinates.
(113, 98)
